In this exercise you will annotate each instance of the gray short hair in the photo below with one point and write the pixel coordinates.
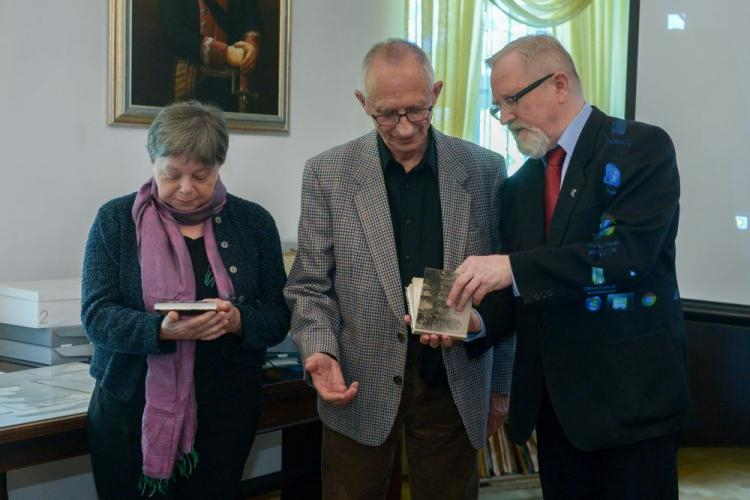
(189, 128)
(394, 51)
(542, 51)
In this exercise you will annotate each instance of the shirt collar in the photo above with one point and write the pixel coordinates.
(429, 158)
(572, 132)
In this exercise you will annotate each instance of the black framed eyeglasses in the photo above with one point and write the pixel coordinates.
(496, 108)
(392, 118)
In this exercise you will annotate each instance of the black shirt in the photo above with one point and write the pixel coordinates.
(416, 216)
(414, 201)
(205, 283)
(214, 374)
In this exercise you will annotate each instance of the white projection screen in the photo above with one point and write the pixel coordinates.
(693, 80)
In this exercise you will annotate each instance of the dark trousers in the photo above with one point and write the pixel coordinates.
(442, 462)
(645, 470)
(228, 396)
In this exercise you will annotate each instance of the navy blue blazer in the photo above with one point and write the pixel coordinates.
(599, 321)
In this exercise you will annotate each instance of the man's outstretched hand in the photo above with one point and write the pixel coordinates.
(328, 379)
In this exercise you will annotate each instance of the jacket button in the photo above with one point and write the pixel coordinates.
(224, 244)
(241, 299)
(401, 337)
(397, 380)
(217, 219)
(233, 269)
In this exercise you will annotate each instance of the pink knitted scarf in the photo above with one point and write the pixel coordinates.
(170, 415)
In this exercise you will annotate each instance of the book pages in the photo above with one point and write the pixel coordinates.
(426, 298)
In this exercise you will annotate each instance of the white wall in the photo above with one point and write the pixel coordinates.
(60, 161)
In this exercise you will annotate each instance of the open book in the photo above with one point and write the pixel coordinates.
(425, 298)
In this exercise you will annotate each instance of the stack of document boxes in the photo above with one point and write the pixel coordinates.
(40, 322)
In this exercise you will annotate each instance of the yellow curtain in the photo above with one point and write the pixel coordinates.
(597, 39)
(541, 13)
(450, 33)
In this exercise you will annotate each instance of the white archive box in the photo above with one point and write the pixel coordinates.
(41, 304)
(56, 336)
(44, 355)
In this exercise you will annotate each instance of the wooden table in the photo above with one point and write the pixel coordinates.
(286, 405)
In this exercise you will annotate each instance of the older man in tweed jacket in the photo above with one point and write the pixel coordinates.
(375, 212)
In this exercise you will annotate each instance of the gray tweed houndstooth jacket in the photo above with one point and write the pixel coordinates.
(344, 289)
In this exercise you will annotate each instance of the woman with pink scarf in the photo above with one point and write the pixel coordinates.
(177, 397)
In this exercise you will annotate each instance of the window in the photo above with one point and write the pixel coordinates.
(497, 30)
(459, 34)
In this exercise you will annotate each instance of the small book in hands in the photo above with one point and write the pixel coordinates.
(425, 298)
(186, 307)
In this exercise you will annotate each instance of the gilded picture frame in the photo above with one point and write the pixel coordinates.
(144, 69)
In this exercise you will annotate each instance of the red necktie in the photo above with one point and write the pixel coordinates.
(555, 160)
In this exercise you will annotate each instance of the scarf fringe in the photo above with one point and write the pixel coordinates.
(185, 465)
(150, 486)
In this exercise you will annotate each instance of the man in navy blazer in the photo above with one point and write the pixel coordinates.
(588, 228)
